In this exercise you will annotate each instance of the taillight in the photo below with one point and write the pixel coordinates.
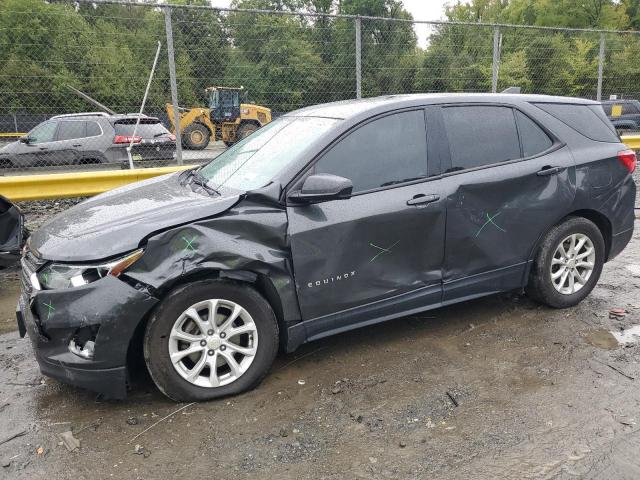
(172, 137)
(126, 139)
(628, 159)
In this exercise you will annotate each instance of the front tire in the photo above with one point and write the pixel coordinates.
(568, 263)
(194, 355)
(196, 136)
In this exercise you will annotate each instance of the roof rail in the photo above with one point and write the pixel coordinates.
(83, 114)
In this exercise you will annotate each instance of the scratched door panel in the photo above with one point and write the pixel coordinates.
(496, 215)
(373, 246)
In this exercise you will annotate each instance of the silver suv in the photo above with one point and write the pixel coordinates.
(93, 137)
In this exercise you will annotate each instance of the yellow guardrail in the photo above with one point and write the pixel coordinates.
(85, 184)
(81, 184)
(12, 135)
(631, 141)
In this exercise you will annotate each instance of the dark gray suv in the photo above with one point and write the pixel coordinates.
(624, 114)
(330, 218)
(82, 138)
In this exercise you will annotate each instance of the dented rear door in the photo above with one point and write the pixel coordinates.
(507, 181)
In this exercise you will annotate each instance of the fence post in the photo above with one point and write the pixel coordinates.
(172, 81)
(496, 59)
(600, 68)
(358, 57)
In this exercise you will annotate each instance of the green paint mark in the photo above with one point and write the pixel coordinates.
(382, 250)
(50, 308)
(490, 221)
(189, 244)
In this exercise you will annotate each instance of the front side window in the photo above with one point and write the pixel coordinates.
(43, 133)
(384, 152)
(480, 135)
(71, 129)
(256, 160)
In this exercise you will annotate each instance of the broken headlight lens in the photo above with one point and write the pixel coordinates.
(58, 275)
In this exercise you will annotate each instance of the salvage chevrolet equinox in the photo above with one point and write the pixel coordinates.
(330, 218)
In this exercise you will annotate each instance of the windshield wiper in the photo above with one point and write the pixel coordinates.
(159, 134)
(201, 180)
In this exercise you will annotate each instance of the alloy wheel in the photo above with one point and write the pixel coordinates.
(572, 264)
(213, 343)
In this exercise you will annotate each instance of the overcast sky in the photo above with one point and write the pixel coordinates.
(420, 9)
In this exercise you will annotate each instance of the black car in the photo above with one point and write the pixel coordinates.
(12, 233)
(624, 114)
(330, 218)
(98, 137)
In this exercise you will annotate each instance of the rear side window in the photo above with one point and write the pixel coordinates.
(71, 129)
(533, 139)
(590, 122)
(629, 109)
(384, 152)
(146, 129)
(93, 129)
(480, 135)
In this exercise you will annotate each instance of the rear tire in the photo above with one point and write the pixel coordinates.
(196, 136)
(219, 375)
(568, 263)
(245, 130)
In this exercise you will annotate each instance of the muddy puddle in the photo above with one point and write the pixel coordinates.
(495, 388)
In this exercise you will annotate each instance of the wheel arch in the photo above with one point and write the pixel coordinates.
(260, 282)
(252, 121)
(599, 219)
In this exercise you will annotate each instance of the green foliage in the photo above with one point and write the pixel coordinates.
(290, 61)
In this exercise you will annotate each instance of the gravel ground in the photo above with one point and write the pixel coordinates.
(495, 388)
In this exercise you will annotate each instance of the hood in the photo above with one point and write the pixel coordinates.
(8, 148)
(115, 222)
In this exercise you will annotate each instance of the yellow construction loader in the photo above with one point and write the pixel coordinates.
(224, 119)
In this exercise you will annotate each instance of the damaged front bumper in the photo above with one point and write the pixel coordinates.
(81, 335)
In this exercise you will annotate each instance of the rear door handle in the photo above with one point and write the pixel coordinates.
(77, 144)
(546, 171)
(422, 199)
(43, 148)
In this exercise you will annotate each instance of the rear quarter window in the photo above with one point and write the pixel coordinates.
(533, 139)
(588, 120)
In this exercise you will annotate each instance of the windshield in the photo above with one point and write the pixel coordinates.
(255, 161)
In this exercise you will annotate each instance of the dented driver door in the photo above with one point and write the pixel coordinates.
(379, 252)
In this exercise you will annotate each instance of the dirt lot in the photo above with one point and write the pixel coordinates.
(495, 388)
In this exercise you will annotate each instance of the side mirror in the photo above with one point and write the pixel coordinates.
(25, 139)
(323, 186)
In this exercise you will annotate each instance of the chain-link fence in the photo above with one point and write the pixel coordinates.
(282, 61)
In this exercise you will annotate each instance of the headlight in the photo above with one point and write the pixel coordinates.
(59, 275)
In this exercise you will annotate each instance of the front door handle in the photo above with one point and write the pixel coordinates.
(77, 145)
(422, 199)
(546, 171)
